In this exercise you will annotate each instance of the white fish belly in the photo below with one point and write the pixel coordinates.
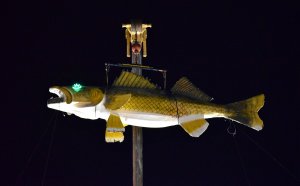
(147, 120)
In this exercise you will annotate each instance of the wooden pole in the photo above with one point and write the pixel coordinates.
(137, 155)
(137, 137)
(136, 35)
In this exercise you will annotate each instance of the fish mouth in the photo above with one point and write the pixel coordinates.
(64, 96)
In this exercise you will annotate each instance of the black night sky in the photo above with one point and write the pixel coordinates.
(231, 50)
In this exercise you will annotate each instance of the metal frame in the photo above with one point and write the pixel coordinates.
(127, 65)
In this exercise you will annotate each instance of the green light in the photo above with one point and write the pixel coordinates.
(76, 87)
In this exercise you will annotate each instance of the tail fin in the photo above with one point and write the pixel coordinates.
(246, 112)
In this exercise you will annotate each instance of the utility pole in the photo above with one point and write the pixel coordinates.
(136, 36)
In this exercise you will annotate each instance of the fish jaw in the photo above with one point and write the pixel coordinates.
(60, 103)
(62, 100)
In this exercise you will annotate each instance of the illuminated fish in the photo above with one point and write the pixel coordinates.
(134, 100)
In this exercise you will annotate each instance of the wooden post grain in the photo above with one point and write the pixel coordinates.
(137, 137)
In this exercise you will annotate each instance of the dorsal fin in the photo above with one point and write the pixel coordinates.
(184, 87)
(128, 79)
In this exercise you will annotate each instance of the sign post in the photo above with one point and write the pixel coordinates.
(136, 35)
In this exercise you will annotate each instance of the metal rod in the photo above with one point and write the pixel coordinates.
(136, 66)
(107, 71)
(165, 79)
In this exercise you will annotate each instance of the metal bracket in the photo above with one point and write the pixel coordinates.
(127, 65)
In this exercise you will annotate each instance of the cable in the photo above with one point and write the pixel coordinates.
(35, 148)
(49, 152)
(241, 160)
(232, 131)
(272, 157)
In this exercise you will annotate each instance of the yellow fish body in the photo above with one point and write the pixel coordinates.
(134, 100)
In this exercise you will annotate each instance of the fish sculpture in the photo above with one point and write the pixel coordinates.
(134, 100)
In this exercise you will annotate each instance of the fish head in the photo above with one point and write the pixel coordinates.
(75, 99)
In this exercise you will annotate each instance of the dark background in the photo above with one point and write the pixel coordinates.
(230, 50)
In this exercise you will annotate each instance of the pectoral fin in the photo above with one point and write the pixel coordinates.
(196, 127)
(114, 129)
(111, 137)
(115, 102)
(114, 124)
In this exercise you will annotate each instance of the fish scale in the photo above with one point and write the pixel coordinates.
(158, 105)
(134, 100)
(167, 106)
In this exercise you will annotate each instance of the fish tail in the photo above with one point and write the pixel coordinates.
(246, 112)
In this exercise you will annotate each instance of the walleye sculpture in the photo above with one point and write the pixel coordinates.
(134, 100)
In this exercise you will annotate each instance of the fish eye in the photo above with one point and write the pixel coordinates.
(77, 87)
